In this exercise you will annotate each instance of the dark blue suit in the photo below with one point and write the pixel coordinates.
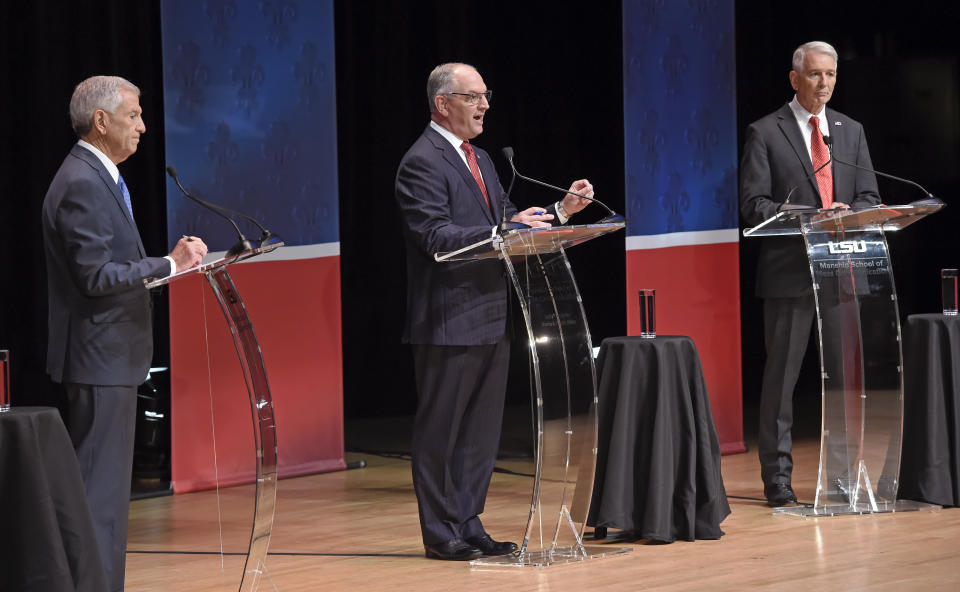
(99, 334)
(775, 160)
(456, 321)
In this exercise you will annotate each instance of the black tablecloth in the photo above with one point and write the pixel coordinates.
(930, 464)
(658, 457)
(47, 542)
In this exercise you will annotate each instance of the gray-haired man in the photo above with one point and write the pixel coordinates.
(99, 327)
(781, 153)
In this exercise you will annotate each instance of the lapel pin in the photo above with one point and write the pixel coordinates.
(837, 123)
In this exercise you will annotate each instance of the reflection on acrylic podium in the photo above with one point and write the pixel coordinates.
(563, 389)
(861, 361)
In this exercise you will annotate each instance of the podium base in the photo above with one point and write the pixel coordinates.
(555, 556)
(859, 508)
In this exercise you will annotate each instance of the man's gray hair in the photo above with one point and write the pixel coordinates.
(96, 92)
(816, 47)
(441, 81)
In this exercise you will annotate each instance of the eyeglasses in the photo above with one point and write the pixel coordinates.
(474, 98)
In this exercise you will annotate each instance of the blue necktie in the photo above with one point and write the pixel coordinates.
(126, 194)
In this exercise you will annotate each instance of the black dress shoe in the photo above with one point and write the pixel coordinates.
(491, 547)
(453, 550)
(779, 494)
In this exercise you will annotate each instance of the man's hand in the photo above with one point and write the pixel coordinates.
(573, 204)
(188, 252)
(534, 217)
(839, 205)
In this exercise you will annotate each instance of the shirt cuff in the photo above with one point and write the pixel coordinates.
(173, 265)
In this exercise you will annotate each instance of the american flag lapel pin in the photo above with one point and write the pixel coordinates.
(837, 123)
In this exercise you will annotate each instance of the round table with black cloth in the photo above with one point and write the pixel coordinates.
(658, 455)
(47, 542)
(930, 462)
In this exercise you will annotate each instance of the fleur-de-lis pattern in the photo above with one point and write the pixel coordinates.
(250, 117)
(679, 116)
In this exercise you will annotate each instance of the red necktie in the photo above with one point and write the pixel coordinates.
(818, 151)
(475, 169)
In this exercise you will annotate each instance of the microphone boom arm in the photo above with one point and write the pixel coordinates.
(243, 244)
(508, 153)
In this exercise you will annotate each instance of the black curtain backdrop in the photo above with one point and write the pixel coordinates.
(556, 72)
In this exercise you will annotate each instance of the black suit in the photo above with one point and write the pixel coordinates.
(99, 334)
(456, 321)
(775, 160)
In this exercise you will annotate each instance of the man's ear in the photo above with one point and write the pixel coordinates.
(440, 103)
(100, 121)
(793, 79)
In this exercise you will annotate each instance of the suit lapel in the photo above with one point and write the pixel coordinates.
(452, 156)
(788, 125)
(112, 187)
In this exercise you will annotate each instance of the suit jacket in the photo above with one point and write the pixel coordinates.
(442, 209)
(99, 317)
(775, 160)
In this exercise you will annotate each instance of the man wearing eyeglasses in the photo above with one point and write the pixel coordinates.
(450, 197)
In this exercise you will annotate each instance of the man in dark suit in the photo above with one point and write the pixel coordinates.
(99, 336)
(780, 155)
(450, 197)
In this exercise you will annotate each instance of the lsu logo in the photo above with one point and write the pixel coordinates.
(844, 247)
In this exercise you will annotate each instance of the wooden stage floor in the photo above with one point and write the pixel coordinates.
(358, 530)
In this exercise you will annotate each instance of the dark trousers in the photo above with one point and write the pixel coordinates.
(456, 434)
(786, 327)
(101, 422)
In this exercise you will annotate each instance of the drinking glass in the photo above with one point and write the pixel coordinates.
(648, 317)
(948, 282)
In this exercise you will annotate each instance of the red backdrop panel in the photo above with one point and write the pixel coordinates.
(294, 307)
(698, 295)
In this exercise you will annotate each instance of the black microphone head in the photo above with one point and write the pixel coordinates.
(828, 140)
(171, 171)
(508, 152)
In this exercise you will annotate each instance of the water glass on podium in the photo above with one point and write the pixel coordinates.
(648, 318)
(4, 380)
(948, 281)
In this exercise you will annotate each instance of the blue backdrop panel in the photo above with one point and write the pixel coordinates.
(680, 150)
(250, 116)
(679, 116)
(250, 119)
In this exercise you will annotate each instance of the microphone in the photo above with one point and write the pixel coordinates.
(242, 244)
(264, 233)
(895, 178)
(504, 225)
(786, 205)
(613, 217)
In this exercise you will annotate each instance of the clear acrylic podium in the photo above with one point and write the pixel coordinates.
(861, 360)
(563, 389)
(261, 401)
